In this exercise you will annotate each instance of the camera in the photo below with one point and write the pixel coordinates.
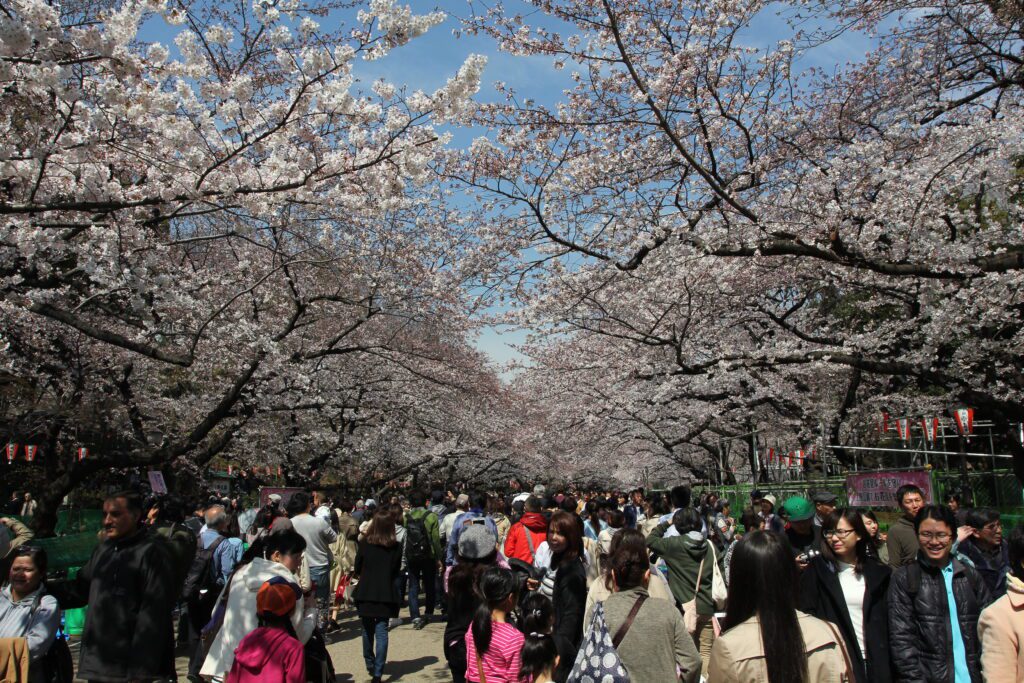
(808, 555)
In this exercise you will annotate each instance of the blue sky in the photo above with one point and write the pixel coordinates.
(427, 62)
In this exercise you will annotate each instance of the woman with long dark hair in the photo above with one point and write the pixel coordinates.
(876, 540)
(569, 594)
(593, 525)
(768, 640)
(848, 586)
(378, 563)
(493, 644)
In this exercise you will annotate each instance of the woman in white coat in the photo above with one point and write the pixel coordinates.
(278, 553)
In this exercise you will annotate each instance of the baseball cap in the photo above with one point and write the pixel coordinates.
(274, 497)
(798, 509)
(756, 494)
(477, 542)
(277, 597)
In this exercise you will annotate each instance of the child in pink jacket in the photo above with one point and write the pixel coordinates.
(271, 653)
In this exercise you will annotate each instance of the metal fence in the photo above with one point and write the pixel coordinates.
(998, 489)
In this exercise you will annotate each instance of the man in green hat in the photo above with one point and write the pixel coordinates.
(800, 529)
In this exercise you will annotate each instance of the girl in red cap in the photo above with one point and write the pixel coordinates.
(271, 653)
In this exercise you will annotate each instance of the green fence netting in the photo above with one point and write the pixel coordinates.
(65, 552)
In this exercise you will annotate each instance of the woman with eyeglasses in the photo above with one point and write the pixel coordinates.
(934, 605)
(26, 611)
(849, 587)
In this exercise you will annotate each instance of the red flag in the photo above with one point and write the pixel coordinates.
(771, 454)
(83, 453)
(30, 452)
(12, 452)
(964, 420)
(931, 428)
(789, 459)
(885, 422)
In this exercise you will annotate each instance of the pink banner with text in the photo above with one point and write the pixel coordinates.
(878, 489)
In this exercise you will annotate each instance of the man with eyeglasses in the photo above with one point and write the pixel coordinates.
(934, 606)
(986, 549)
(902, 542)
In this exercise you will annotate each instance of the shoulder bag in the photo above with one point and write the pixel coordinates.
(57, 663)
(598, 657)
(690, 606)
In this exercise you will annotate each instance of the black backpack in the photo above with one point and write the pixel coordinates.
(202, 575)
(417, 540)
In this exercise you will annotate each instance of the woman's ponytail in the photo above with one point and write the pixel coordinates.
(496, 584)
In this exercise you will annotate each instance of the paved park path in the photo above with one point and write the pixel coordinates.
(413, 656)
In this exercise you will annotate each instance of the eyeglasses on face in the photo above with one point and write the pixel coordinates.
(942, 536)
(841, 533)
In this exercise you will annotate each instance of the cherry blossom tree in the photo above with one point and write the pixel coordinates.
(198, 239)
(722, 234)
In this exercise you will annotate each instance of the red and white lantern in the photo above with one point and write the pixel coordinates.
(12, 452)
(30, 452)
(964, 418)
(903, 428)
(83, 453)
(931, 428)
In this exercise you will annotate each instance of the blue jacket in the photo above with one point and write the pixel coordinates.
(460, 523)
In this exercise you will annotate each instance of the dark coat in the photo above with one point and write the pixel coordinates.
(129, 586)
(569, 599)
(377, 593)
(993, 568)
(822, 596)
(920, 633)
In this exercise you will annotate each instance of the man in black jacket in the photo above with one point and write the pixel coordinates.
(986, 549)
(129, 586)
(934, 605)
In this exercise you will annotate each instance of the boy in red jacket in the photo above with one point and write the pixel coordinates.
(271, 653)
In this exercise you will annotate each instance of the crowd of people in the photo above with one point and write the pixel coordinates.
(536, 587)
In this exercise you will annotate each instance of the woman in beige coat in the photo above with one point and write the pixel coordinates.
(765, 630)
(1001, 626)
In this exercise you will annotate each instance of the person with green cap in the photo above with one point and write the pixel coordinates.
(800, 530)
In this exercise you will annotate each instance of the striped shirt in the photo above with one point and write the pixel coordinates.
(501, 661)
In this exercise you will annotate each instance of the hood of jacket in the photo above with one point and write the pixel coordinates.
(260, 571)
(535, 522)
(260, 646)
(696, 545)
(1015, 591)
